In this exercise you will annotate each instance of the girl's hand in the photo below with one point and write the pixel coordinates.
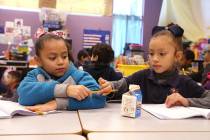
(78, 92)
(175, 99)
(106, 87)
(49, 106)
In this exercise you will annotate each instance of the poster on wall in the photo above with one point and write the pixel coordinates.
(9, 27)
(18, 23)
(91, 37)
(26, 30)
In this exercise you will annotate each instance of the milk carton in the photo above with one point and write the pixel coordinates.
(131, 102)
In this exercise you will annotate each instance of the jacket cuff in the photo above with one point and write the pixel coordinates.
(62, 103)
(60, 90)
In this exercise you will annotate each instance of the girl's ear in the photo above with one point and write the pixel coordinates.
(37, 59)
(179, 55)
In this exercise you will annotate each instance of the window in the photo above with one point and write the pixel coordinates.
(127, 24)
(92, 7)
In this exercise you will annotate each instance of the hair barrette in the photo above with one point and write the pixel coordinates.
(41, 31)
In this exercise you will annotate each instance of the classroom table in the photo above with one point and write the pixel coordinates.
(149, 136)
(109, 119)
(43, 137)
(65, 122)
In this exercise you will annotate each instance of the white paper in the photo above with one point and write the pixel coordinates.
(177, 112)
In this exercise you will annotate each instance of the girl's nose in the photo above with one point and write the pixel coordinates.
(60, 61)
(155, 58)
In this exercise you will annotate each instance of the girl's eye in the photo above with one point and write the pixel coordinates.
(151, 54)
(52, 58)
(162, 54)
(64, 57)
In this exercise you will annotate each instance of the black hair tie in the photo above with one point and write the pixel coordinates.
(175, 29)
(157, 29)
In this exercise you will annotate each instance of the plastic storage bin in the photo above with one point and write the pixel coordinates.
(130, 69)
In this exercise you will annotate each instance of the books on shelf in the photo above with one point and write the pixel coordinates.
(177, 112)
(10, 109)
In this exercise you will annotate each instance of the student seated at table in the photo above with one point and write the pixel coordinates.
(100, 66)
(161, 83)
(186, 66)
(101, 58)
(83, 58)
(206, 72)
(11, 80)
(57, 83)
(187, 59)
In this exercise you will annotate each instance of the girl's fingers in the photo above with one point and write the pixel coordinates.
(33, 108)
(105, 91)
(87, 92)
(170, 101)
(166, 102)
(107, 84)
(101, 81)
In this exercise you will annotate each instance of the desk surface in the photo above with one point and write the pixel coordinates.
(65, 122)
(43, 137)
(109, 119)
(149, 136)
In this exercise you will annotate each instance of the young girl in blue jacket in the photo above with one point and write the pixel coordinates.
(57, 83)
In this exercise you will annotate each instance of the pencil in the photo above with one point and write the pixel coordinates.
(39, 112)
(98, 91)
(184, 71)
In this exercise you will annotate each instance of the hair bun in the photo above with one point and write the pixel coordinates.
(176, 30)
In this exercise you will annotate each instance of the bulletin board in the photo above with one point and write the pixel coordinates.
(92, 37)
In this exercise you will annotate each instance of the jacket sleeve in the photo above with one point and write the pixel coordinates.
(91, 102)
(84, 78)
(203, 101)
(32, 92)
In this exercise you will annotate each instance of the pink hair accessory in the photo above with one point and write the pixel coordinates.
(41, 31)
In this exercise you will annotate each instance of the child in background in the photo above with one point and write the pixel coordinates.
(56, 83)
(187, 59)
(11, 81)
(102, 56)
(83, 58)
(162, 77)
(2, 86)
(206, 72)
(206, 63)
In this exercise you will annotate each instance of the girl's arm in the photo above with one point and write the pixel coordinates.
(203, 101)
(85, 79)
(92, 102)
(107, 86)
(177, 99)
(32, 92)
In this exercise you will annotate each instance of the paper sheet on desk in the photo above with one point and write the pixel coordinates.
(9, 109)
(177, 112)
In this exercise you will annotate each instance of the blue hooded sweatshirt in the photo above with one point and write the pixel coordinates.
(38, 88)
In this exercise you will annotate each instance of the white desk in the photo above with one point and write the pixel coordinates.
(60, 123)
(43, 137)
(149, 136)
(109, 119)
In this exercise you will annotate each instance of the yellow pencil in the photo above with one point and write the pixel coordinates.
(184, 71)
(39, 112)
(98, 91)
